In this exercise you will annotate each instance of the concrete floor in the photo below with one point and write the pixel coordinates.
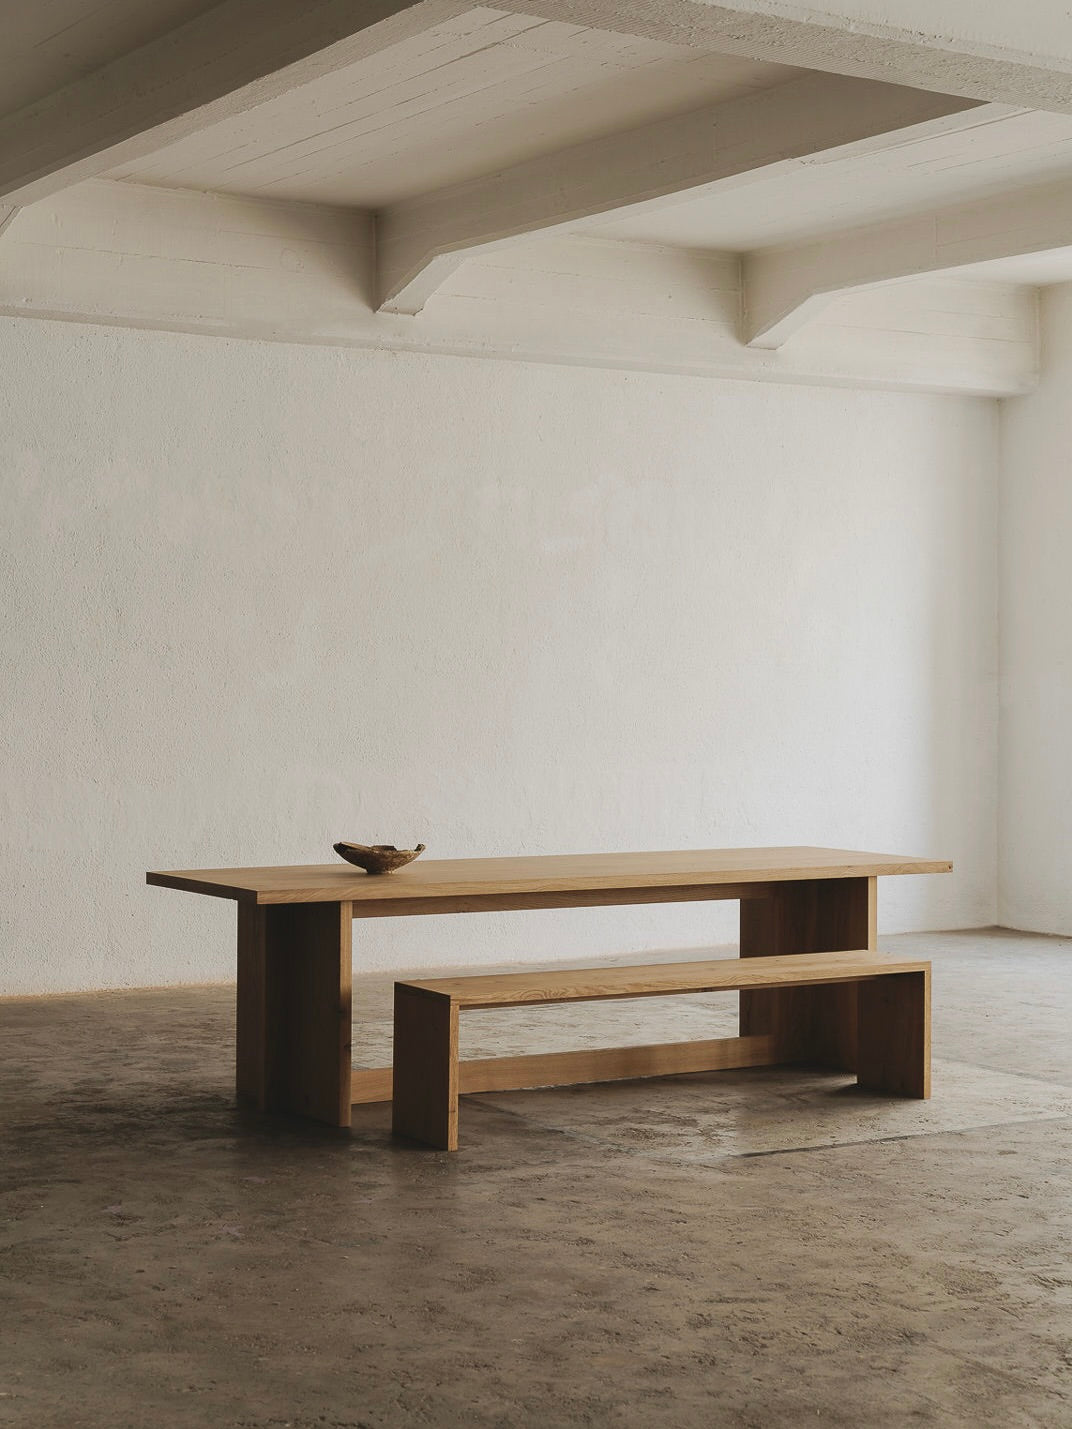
(754, 1249)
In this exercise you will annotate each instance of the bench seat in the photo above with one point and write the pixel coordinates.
(892, 1008)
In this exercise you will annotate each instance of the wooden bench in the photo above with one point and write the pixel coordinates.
(892, 999)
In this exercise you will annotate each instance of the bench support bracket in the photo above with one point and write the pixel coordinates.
(895, 1035)
(425, 1104)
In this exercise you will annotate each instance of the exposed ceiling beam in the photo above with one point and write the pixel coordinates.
(421, 240)
(230, 59)
(184, 261)
(1018, 55)
(786, 287)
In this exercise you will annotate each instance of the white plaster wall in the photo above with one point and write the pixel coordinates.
(258, 597)
(1036, 638)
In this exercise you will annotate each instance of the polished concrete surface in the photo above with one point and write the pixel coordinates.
(755, 1249)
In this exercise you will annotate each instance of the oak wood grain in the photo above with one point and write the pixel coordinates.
(425, 1093)
(252, 1026)
(660, 979)
(294, 964)
(464, 884)
(427, 1075)
(590, 1064)
(815, 1025)
(295, 1010)
(895, 1035)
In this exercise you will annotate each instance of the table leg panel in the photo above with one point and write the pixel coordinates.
(295, 1009)
(812, 1024)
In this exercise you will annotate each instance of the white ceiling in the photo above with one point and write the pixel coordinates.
(459, 100)
(48, 43)
(982, 157)
(491, 88)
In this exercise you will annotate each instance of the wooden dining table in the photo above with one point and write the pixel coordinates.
(295, 953)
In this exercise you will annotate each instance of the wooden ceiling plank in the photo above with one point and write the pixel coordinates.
(235, 56)
(913, 177)
(49, 44)
(426, 52)
(796, 32)
(473, 80)
(421, 241)
(536, 96)
(359, 100)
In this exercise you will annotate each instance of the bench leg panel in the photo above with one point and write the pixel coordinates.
(895, 1034)
(425, 1093)
(295, 1009)
(808, 1024)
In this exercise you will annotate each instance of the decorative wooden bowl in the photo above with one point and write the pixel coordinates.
(379, 858)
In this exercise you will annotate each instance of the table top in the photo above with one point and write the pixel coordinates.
(475, 878)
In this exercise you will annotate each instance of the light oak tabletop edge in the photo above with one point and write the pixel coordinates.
(429, 879)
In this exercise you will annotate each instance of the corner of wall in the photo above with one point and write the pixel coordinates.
(1034, 634)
